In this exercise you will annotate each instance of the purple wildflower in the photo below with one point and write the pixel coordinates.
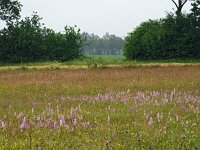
(101, 97)
(63, 98)
(48, 123)
(55, 125)
(150, 121)
(62, 120)
(184, 108)
(24, 125)
(40, 123)
(3, 125)
(85, 124)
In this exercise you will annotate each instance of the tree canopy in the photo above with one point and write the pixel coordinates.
(172, 37)
(27, 40)
(10, 10)
(179, 5)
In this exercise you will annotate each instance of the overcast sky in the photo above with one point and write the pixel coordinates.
(97, 16)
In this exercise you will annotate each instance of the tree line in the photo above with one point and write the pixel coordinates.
(173, 37)
(109, 44)
(28, 40)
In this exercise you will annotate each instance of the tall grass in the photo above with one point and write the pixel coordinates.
(111, 108)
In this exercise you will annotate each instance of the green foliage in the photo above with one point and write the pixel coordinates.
(20, 41)
(10, 10)
(173, 37)
(139, 43)
(73, 43)
(27, 41)
(179, 5)
(102, 109)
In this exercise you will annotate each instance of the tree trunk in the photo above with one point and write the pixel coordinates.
(179, 5)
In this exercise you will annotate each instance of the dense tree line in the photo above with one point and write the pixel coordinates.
(109, 44)
(27, 40)
(175, 36)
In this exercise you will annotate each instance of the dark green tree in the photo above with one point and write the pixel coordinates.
(73, 43)
(28, 40)
(173, 37)
(194, 32)
(21, 40)
(144, 41)
(179, 5)
(10, 10)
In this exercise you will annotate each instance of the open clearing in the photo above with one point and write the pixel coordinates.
(149, 107)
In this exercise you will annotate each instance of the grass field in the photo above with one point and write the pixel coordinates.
(101, 108)
(93, 61)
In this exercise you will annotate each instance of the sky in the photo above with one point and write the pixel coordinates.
(97, 16)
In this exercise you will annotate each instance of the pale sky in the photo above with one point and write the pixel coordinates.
(97, 16)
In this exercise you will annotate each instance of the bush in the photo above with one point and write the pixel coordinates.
(28, 41)
(174, 37)
(139, 43)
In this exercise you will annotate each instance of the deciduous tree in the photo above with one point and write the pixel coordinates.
(10, 10)
(179, 5)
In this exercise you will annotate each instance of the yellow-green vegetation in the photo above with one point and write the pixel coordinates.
(100, 108)
(98, 61)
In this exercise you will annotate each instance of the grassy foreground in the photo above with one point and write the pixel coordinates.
(94, 61)
(110, 108)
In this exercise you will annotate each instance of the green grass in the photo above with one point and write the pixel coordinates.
(107, 108)
(84, 60)
(103, 60)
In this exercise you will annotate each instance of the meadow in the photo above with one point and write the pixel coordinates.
(149, 107)
(93, 61)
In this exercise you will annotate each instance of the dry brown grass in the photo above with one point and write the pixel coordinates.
(88, 81)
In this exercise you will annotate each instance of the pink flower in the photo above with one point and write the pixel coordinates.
(85, 124)
(63, 98)
(40, 123)
(150, 121)
(48, 123)
(24, 124)
(55, 125)
(62, 120)
(3, 125)
(184, 108)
